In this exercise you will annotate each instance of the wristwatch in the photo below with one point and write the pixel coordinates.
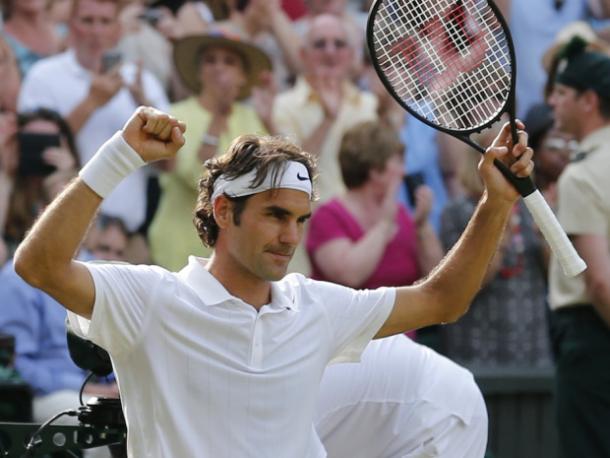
(209, 140)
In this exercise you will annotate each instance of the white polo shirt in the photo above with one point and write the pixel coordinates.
(203, 374)
(60, 83)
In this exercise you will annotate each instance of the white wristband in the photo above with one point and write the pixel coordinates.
(113, 161)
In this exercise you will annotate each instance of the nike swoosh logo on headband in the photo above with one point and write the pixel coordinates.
(302, 178)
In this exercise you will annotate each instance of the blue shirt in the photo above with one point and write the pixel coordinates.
(37, 321)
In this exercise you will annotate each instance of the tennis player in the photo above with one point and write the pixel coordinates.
(224, 358)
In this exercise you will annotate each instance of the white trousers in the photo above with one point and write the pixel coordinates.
(402, 400)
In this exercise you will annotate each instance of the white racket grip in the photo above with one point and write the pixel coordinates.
(554, 234)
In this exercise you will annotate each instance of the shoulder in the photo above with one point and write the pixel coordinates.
(58, 63)
(185, 106)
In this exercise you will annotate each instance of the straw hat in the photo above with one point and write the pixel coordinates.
(188, 49)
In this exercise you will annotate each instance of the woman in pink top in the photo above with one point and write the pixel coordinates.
(397, 401)
(365, 238)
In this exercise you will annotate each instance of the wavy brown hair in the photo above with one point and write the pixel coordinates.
(266, 154)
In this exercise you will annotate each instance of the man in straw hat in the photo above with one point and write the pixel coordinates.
(220, 70)
(581, 305)
(225, 357)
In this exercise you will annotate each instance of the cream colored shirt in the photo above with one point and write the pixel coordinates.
(584, 208)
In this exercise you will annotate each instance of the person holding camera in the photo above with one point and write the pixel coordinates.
(43, 159)
(96, 92)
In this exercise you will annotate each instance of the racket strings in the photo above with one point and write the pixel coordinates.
(448, 60)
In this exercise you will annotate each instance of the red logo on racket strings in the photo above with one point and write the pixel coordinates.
(443, 47)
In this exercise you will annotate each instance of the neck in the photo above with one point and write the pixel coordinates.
(365, 201)
(88, 61)
(209, 101)
(239, 282)
(595, 123)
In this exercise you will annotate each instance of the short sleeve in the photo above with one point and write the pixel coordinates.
(355, 316)
(123, 297)
(325, 225)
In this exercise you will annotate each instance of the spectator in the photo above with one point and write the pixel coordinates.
(324, 104)
(581, 304)
(364, 238)
(221, 71)
(96, 101)
(507, 321)
(30, 31)
(35, 183)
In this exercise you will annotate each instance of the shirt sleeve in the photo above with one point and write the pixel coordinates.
(123, 297)
(355, 316)
(35, 92)
(581, 210)
(325, 225)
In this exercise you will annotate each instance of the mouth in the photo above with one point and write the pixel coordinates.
(281, 256)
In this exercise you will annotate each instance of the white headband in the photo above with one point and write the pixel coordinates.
(294, 176)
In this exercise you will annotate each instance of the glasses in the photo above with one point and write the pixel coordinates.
(323, 43)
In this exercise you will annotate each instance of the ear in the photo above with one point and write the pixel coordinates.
(223, 212)
(590, 101)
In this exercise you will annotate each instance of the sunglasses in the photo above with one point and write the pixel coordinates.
(323, 43)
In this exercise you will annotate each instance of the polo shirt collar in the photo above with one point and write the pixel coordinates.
(595, 139)
(212, 292)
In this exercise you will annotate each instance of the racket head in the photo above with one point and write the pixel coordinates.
(450, 63)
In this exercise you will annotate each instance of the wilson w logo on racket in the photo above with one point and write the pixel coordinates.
(451, 64)
(449, 45)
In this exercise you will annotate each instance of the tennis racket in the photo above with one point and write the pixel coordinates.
(451, 64)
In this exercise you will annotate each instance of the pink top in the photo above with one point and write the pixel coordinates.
(398, 265)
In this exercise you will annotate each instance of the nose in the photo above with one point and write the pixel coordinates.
(291, 233)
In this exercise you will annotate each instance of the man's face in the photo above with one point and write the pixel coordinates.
(270, 228)
(567, 109)
(221, 70)
(94, 28)
(109, 244)
(327, 51)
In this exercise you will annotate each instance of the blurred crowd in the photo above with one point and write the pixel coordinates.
(394, 194)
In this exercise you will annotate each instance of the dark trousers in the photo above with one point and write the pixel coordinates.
(582, 344)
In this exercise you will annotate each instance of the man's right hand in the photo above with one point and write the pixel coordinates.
(104, 86)
(154, 135)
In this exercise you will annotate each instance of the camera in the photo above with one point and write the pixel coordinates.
(31, 149)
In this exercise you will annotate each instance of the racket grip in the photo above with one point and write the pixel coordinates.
(554, 234)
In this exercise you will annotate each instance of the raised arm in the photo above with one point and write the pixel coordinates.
(45, 259)
(447, 292)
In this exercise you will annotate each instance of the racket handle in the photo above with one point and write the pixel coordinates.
(554, 234)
